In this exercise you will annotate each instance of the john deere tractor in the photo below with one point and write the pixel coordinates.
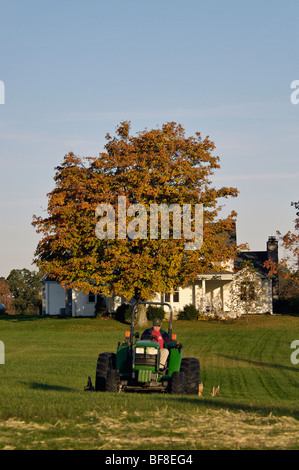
(135, 365)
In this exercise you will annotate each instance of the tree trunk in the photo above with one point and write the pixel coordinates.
(141, 316)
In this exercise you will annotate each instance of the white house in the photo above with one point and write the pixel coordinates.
(211, 293)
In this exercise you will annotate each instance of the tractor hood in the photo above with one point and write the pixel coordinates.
(147, 344)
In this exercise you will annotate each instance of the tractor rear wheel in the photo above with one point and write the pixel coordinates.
(106, 362)
(190, 367)
(112, 381)
(177, 383)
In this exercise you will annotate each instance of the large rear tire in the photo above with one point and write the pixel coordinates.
(190, 368)
(106, 362)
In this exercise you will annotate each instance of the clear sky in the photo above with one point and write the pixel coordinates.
(73, 70)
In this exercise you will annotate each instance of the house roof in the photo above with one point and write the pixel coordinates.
(46, 277)
(257, 258)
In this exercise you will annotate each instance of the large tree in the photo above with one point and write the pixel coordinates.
(158, 166)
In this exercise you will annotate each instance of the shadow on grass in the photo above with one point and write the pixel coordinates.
(19, 318)
(23, 318)
(217, 403)
(47, 387)
(259, 364)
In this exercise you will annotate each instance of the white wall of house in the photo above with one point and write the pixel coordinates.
(263, 302)
(209, 293)
(269, 295)
(55, 298)
(83, 305)
(266, 305)
(212, 293)
(113, 302)
(177, 300)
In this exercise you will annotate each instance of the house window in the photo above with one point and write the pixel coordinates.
(91, 298)
(176, 297)
(247, 291)
(166, 297)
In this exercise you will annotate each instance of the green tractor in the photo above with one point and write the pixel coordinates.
(135, 366)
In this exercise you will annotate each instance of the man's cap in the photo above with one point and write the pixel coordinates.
(157, 322)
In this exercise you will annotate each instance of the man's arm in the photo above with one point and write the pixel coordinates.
(146, 333)
(169, 343)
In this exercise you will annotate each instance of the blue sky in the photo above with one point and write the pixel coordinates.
(73, 70)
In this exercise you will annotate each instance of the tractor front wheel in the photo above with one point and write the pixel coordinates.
(177, 383)
(112, 381)
(106, 362)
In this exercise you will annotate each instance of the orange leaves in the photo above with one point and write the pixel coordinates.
(272, 267)
(153, 167)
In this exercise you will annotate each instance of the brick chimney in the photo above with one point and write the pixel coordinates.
(272, 249)
(272, 253)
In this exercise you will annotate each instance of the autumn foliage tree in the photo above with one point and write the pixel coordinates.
(6, 297)
(152, 167)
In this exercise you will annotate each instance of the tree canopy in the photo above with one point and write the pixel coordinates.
(25, 288)
(158, 166)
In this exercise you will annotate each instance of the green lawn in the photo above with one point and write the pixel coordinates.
(43, 404)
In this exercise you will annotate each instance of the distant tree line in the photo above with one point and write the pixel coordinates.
(20, 292)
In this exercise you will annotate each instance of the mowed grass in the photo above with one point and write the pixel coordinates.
(43, 405)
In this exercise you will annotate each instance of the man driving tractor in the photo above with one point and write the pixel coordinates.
(165, 342)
